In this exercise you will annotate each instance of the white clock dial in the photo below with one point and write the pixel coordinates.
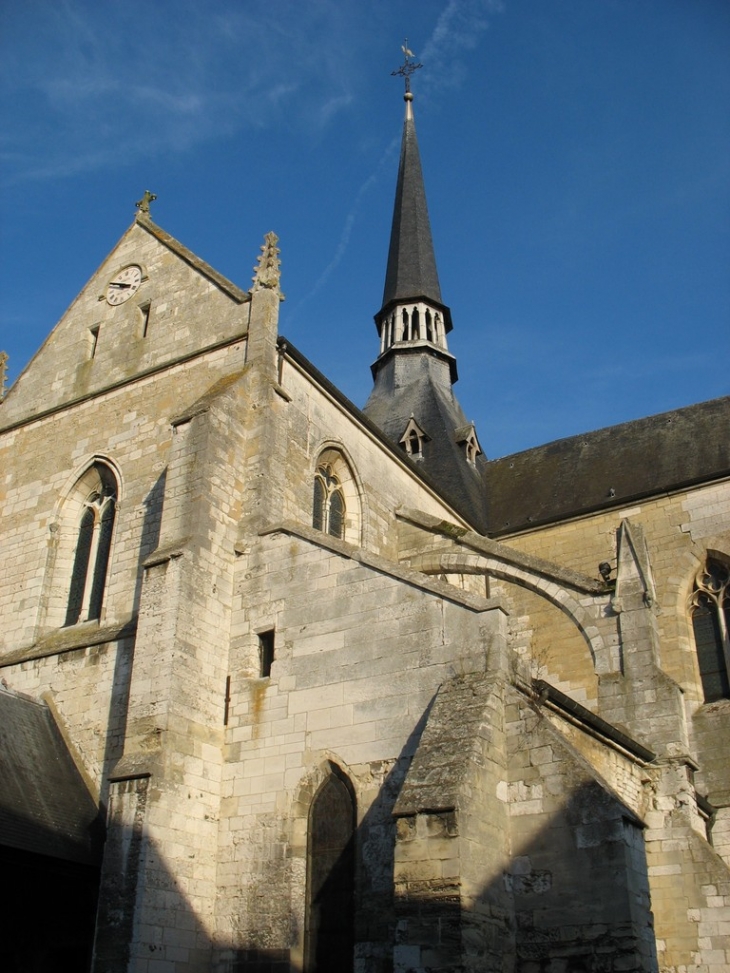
(121, 287)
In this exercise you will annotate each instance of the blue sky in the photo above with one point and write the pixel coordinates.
(576, 156)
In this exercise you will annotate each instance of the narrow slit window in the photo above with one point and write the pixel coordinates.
(144, 312)
(266, 653)
(94, 335)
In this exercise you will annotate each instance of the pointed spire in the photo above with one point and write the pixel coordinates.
(413, 400)
(411, 269)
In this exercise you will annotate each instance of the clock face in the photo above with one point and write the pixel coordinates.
(121, 287)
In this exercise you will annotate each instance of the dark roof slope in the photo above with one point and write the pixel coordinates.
(411, 269)
(429, 398)
(45, 806)
(609, 467)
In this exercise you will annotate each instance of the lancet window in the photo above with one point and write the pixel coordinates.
(412, 322)
(336, 503)
(710, 609)
(93, 539)
(329, 502)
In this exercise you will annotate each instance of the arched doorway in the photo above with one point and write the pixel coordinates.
(330, 937)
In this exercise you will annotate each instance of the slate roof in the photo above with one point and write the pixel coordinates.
(411, 271)
(429, 398)
(609, 467)
(45, 807)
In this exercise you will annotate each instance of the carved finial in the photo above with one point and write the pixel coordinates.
(143, 205)
(407, 68)
(268, 270)
(3, 373)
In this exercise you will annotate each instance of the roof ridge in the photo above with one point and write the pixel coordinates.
(191, 258)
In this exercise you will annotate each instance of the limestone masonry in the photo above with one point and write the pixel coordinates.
(290, 686)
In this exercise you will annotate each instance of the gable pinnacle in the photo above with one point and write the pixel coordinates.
(3, 373)
(268, 267)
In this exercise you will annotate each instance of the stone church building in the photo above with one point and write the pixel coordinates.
(288, 685)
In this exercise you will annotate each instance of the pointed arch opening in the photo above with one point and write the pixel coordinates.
(710, 612)
(84, 545)
(330, 914)
(336, 498)
(328, 503)
(429, 325)
(406, 325)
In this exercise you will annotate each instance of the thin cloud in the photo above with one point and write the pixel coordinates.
(344, 240)
(460, 26)
(79, 84)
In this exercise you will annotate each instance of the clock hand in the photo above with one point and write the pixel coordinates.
(116, 283)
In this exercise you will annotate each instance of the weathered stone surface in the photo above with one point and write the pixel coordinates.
(498, 824)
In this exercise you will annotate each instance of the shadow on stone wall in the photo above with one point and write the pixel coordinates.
(48, 911)
(571, 897)
(116, 723)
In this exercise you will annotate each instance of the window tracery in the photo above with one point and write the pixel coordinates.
(710, 611)
(329, 502)
(92, 545)
(337, 499)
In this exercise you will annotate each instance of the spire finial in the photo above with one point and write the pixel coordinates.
(3, 373)
(407, 68)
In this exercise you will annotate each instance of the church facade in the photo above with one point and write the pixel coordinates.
(292, 686)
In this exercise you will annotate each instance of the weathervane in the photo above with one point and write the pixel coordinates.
(408, 67)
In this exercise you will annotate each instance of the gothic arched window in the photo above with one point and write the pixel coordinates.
(92, 547)
(336, 502)
(329, 939)
(329, 502)
(710, 608)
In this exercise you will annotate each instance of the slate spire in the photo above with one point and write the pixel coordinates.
(412, 310)
(411, 269)
(413, 400)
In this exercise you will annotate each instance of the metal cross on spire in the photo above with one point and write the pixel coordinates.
(408, 67)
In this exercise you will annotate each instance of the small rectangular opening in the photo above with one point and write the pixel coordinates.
(266, 652)
(144, 311)
(94, 333)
